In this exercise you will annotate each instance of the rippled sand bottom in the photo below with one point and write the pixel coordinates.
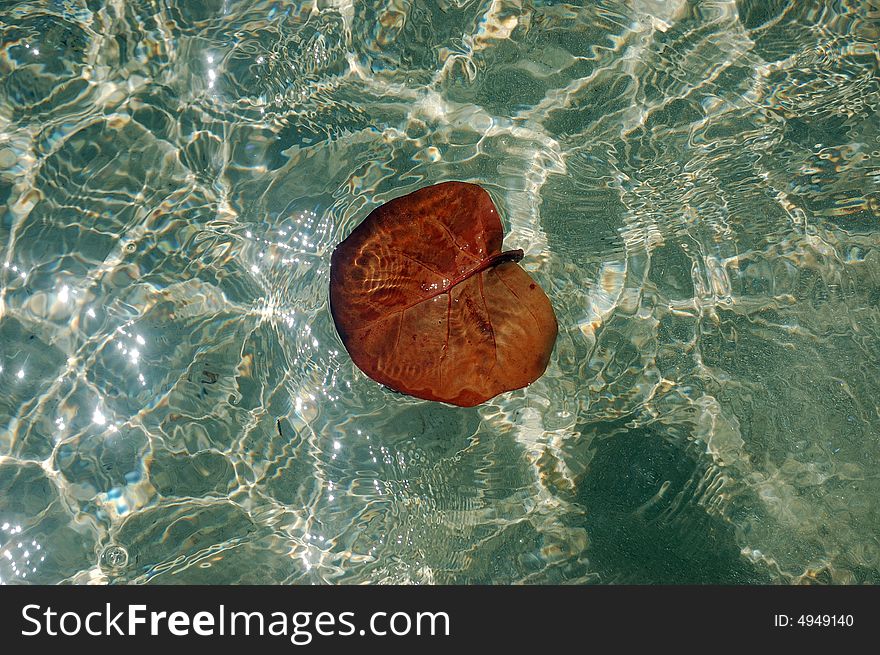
(695, 185)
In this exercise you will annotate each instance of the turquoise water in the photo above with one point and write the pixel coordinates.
(696, 185)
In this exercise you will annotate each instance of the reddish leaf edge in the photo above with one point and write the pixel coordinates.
(514, 256)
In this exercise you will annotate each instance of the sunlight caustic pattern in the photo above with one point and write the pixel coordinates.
(694, 184)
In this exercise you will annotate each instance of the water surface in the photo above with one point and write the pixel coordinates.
(695, 185)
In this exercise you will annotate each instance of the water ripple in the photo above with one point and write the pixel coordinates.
(695, 186)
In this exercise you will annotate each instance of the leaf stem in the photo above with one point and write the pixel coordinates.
(508, 256)
(494, 260)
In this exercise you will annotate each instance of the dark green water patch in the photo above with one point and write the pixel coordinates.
(645, 497)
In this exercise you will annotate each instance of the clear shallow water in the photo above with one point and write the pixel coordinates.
(695, 186)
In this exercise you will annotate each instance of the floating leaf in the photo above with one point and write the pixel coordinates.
(426, 302)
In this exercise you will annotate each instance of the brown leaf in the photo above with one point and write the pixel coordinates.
(426, 302)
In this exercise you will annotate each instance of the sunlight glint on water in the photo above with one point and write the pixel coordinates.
(695, 185)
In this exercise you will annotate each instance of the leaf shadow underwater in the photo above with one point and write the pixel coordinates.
(646, 497)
